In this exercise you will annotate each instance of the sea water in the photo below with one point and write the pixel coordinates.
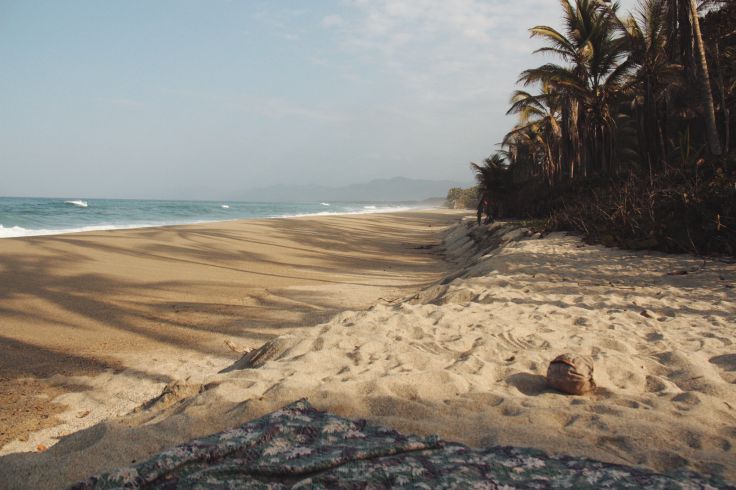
(23, 216)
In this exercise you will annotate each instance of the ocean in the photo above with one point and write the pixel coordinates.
(25, 216)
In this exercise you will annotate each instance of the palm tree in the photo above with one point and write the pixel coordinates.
(653, 81)
(711, 128)
(591, 82)
(541, 115)
(525, 146)
(491, 174)
(684, 32)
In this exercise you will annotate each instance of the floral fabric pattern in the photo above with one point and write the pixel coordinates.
(299, 447)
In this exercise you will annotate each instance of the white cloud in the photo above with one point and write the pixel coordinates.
(331, 21)
(448, 51)
(442, 71)
(283, 23)
(451, 50)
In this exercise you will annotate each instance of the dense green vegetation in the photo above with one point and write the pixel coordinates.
(625, 135)
(458, 198)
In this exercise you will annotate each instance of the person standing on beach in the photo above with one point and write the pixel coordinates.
(489, 212)
(484, 207)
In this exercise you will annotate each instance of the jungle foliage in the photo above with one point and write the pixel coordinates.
(626, 135)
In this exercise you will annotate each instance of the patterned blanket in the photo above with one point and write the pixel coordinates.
(300, 447)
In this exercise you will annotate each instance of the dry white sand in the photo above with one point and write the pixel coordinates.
(465, 359)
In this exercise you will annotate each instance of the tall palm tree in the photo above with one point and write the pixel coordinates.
(491, 174)
(540, 114)
(684, 32)
(591, 81)
(653, 80)
(517, 150)
(714, 142)
(526, 144)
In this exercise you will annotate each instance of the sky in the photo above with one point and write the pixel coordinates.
(204, 99)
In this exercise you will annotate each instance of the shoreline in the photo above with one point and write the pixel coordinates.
(105, 227)
(464, 356)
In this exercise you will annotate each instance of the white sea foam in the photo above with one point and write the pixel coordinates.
(225, 206)
(77, 202)
(18, 231)
(365, 210)
(325, 203)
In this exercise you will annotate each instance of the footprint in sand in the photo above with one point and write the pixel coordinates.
(655, 384)
(669, 312)
(318, 344)
(606, 410)
(667, 461)
(615, 345)
(694, 440)
(511, 409)
(618, 445)
(686, 401)
(726, 365)
(628, 403)
(723, 340)
(528, 384)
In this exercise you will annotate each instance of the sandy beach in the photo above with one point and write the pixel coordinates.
(418, 321)
(94, 324)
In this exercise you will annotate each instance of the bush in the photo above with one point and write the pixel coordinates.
(458, 198)
(673, 212)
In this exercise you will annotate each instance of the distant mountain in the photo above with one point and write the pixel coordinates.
(395, 189)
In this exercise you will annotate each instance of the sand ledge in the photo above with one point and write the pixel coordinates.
(465, 359)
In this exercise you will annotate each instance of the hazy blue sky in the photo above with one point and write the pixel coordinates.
(204, 99)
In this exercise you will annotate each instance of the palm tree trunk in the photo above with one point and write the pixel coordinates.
(581, 136)
(576, 157)
(711, 128)
(685, 35)
(550, 164)
(664, 131)
(651, 115)
(565, 155)
(725, 113)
